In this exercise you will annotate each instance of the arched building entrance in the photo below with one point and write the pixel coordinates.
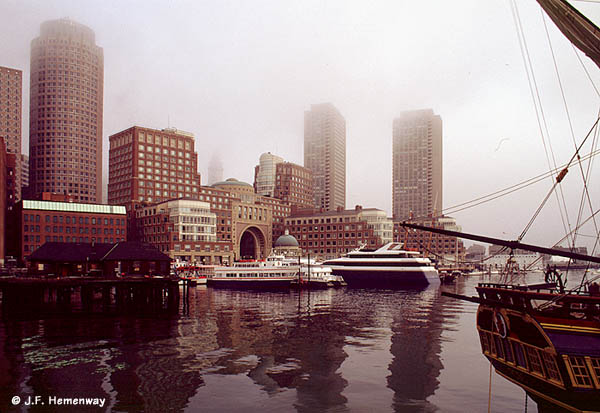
(252, 244)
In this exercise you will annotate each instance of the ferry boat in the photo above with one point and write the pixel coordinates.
(388, 266)
(274, 272)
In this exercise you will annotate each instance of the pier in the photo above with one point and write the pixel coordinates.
(28, 296)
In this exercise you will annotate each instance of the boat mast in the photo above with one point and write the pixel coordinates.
(505, 243)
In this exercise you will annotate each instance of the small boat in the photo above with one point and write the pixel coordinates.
(448, 277)
(388, 266)
(315, 275)
(194, 274)
(273, 273)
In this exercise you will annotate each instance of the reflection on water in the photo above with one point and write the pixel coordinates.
(332, 350)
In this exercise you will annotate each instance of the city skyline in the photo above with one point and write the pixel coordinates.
(358, 62)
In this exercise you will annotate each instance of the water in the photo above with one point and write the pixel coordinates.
(339, 350)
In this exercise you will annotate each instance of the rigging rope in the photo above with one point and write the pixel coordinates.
(535, 95)
(508, 190)
(558, 180)
(564, 99)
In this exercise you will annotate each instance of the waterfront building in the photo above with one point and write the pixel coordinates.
(251, 220)
(280, 211)
(2, 202)
(294, 185)
(449, 250)
(66, 112)
(109, 260)
(325, 155)
(150, 165)
(264, 174)
(331, 234)
(475, 254)
(11, 81)
(40, 221)
(417, 165)
(499, 256)
(185, 230)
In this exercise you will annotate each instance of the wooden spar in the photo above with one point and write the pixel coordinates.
(505, 243)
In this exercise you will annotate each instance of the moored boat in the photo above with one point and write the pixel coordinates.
(315, 275)
(272, 273)
(388, 266)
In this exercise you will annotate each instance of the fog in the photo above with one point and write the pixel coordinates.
(240, 74)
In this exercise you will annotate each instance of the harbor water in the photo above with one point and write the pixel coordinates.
(337, 350)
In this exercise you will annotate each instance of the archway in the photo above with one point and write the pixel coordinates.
(252, 244)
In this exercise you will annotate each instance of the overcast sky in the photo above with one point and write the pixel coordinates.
(240, 74)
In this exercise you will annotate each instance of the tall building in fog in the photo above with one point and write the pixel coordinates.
(417, 165)
(325, 155)
(215, 169)
(65, 112)
(264, 174)
(11, 81)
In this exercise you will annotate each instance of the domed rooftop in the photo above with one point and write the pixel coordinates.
(232, 182)
(286, 240)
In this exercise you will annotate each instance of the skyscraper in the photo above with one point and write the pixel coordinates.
(65, 111)
(264, 174)
(417, 165)
(215, 169)
(11, 81)
(325, 155)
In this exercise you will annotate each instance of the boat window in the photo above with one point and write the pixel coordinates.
(485, 343)
(596, 366)
(535, 362)
(579, 369)
(499, 347)
(519, 355)
(551, 367)
(508, 354)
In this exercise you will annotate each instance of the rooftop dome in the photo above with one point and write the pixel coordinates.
(231, 181)
(286, 240)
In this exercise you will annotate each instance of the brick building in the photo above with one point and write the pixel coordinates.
(11, 81)
(150, 165)
(294, 185)
(50, 221)
(441, 247)
(2, 202)
(185, 230)
(331, 234)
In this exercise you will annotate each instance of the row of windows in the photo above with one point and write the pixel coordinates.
(68, 219)
(583, 371)
(32, 247)
(71, 230)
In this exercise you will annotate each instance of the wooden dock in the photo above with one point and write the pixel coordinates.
(24, 296)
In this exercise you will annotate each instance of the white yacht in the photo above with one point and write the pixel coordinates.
(388, 266)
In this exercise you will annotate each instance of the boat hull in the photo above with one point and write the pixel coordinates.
(390, 278)
(264, 284)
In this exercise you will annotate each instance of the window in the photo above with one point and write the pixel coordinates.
(551, 367)
(535, 362)
(581, 376)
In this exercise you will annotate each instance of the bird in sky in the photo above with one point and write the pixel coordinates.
(500, 143)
